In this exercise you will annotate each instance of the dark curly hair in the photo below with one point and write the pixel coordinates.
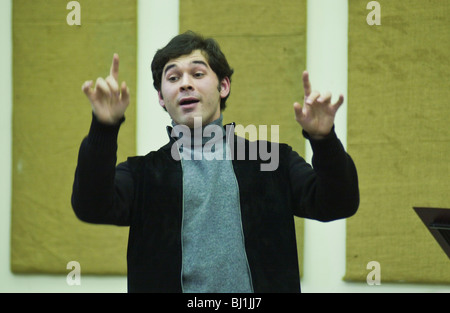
(184, 44)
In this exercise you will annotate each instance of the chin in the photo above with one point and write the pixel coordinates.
(194, 119)
(188, 121)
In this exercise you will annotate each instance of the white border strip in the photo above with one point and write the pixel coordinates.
(5, 139)
(158, 22)
(327, 37)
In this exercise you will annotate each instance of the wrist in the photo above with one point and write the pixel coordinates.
(318, 137)
(103, 136)
(107, 122)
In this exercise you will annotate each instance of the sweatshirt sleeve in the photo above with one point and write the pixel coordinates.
(102, 193)
(328, 190)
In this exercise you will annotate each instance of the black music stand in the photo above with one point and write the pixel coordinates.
(438, 223)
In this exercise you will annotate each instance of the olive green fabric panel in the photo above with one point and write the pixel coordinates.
(399, 137)
(51, 116)
(265, 44)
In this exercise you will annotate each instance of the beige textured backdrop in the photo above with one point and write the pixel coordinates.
(51, 116)
(399, 137)
(265, 43)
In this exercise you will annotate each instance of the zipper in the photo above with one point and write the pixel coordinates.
(182, 218)
(242, 231)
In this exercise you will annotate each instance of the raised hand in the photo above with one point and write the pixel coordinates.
(108, 101)
(317, 114)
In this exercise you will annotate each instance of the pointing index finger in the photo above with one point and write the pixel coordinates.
(306, 84)
(114, 72)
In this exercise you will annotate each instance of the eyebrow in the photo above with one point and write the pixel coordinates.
(193, 62)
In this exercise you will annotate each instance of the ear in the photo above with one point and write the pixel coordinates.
(225, 86)
(161, 100)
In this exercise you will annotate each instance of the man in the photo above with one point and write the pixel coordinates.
(202, 224)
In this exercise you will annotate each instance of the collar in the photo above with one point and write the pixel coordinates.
(174, 132)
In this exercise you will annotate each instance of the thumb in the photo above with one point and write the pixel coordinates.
(299, 114)
(298, 110)
(86, 88)
(125, 93)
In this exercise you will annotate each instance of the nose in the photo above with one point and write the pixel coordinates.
(186, 83)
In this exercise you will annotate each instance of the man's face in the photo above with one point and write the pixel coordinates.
(190, 88)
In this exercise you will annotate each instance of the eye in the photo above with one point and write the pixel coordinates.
(172, 78)
(199, 74)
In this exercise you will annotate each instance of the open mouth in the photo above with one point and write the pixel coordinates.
(188, 102)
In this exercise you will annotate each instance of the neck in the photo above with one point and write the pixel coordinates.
(201, 135)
